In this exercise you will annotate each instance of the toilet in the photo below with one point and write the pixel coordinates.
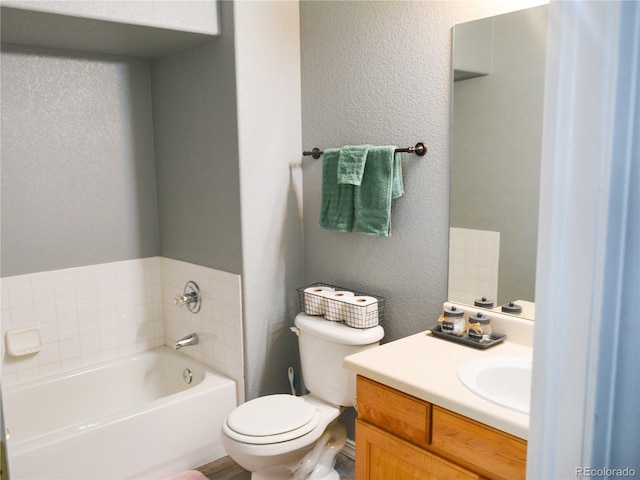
(288, 437)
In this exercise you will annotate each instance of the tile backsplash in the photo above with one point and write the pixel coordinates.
(93, 314)
(474, 261)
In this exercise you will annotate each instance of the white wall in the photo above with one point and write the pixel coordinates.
(267, 45)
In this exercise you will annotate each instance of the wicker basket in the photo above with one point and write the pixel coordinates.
(338, 304)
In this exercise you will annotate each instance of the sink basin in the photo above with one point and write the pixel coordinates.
(505, 381)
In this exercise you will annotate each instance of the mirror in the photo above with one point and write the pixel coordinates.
(498, 93)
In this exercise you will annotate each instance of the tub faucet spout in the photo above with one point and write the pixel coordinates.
(191, 339)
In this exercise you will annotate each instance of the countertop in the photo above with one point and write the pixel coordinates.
(426, 367)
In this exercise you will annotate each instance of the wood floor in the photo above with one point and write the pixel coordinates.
(224, 469)
(227, 469)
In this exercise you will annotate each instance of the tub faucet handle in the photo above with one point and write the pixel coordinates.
(184, 299)
(190, 298)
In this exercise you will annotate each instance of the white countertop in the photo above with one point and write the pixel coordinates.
(427, 368)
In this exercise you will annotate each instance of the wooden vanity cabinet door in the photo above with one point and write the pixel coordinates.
(382, 456)
(484, 449)
(406, 416)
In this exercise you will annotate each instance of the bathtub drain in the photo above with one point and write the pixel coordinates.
(187, 376)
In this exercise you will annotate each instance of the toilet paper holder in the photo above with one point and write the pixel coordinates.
(356, 309)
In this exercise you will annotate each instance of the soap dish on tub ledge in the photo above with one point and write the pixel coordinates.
(340, 304)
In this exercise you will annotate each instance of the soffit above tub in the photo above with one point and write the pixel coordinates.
(65, 32)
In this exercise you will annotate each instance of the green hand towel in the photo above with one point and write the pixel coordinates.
(381, 183)
(336, 211)
(398, 183)
(351, 163)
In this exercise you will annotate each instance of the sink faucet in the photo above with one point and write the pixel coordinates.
(191, 339)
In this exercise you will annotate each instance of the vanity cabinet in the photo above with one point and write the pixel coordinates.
(400, 436)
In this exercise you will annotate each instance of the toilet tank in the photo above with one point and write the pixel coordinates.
(323, 346)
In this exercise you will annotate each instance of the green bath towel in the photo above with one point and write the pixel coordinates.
(336, 211)
(381, 183)
(351, 163)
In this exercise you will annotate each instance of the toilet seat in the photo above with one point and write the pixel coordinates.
(271, 419)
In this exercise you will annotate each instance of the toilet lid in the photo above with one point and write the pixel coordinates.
(271, 415)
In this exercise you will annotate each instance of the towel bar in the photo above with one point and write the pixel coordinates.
(419, 149)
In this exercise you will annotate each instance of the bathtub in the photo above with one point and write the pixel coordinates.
(134, 418)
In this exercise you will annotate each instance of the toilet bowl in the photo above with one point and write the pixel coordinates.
(283, 437)
(277, 437)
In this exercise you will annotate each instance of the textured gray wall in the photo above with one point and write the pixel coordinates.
(379, 72)
(78, 178)
(78, 167)
(497, 146)
(196, 147)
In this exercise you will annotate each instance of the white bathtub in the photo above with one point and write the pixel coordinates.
(135, 418)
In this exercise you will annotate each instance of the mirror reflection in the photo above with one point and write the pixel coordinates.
(499, 66)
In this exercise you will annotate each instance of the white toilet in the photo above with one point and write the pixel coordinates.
(288, 437)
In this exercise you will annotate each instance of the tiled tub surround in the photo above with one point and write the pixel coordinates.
(89, 315)
(218, 323)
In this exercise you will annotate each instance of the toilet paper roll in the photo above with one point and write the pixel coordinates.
(315, 302)
(361, 312)
(336, 305)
